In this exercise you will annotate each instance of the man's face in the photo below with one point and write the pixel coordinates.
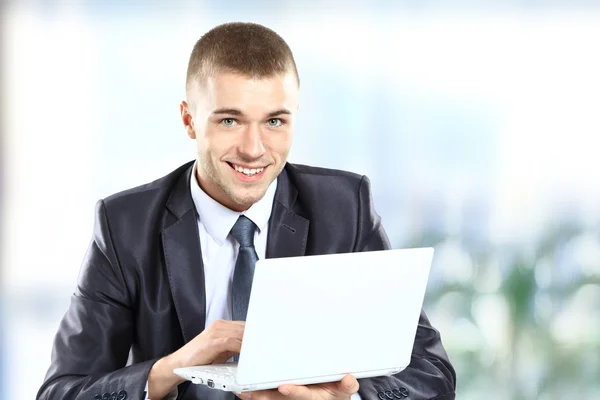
(243, 128)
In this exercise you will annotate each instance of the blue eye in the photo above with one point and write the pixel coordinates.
(275, 122)
(228, 122)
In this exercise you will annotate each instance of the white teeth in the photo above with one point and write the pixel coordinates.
(247, 171)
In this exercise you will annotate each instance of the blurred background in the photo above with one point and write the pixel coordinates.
(477, 122)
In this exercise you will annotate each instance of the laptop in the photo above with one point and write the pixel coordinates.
(314, 319)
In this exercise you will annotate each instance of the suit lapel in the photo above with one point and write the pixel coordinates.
(287, 237)
(183, 259)
(288, 230)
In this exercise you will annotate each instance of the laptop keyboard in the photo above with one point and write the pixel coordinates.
(221, 371)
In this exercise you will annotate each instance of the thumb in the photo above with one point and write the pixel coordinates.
(348, 385)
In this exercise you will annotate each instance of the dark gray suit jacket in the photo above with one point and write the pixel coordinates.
(140, 293)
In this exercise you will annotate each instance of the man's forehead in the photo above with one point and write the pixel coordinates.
(234, 90)
(231, 81)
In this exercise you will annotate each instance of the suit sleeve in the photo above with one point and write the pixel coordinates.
(92, 345)
(430, 374)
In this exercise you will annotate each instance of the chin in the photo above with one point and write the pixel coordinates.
(247, 199)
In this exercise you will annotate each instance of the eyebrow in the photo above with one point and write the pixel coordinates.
(235, 111)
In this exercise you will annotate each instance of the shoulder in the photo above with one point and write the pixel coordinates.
(329, 188)
(143, 198)
(338, 205)
(306, 176)
(301, 169)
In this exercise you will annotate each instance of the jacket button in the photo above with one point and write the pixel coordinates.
(122, 395)
(403, 391)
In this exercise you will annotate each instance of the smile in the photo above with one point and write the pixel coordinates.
(246, 171)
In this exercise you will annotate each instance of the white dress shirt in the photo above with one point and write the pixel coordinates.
(220, 249)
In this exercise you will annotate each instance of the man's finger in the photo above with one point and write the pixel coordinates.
(295, 391)
(348, 385)
(222, 359)
(224, 346)
(268, 394)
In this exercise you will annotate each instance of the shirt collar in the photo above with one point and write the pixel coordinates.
(218, 219)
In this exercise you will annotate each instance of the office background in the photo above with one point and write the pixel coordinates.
(477, 122)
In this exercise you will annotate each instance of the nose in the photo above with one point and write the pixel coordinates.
(251, 145)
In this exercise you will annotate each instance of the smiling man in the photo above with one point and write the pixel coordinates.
(165, 282)
(243, 127)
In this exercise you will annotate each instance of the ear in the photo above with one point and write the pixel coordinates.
(186, 118)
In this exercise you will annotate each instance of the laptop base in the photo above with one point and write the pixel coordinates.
(223, 377)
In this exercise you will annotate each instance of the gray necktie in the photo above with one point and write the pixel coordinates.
(243, 232)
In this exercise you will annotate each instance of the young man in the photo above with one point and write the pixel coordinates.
(166, 280)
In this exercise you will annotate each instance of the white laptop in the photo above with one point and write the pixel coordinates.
(313, 319)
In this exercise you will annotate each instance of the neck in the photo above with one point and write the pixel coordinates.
(217, 194)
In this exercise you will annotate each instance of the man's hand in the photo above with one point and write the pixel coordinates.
(341, 390)
(216, 344)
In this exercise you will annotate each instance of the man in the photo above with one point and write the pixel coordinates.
(165, 282)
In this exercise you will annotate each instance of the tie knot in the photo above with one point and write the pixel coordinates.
(243, 231)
